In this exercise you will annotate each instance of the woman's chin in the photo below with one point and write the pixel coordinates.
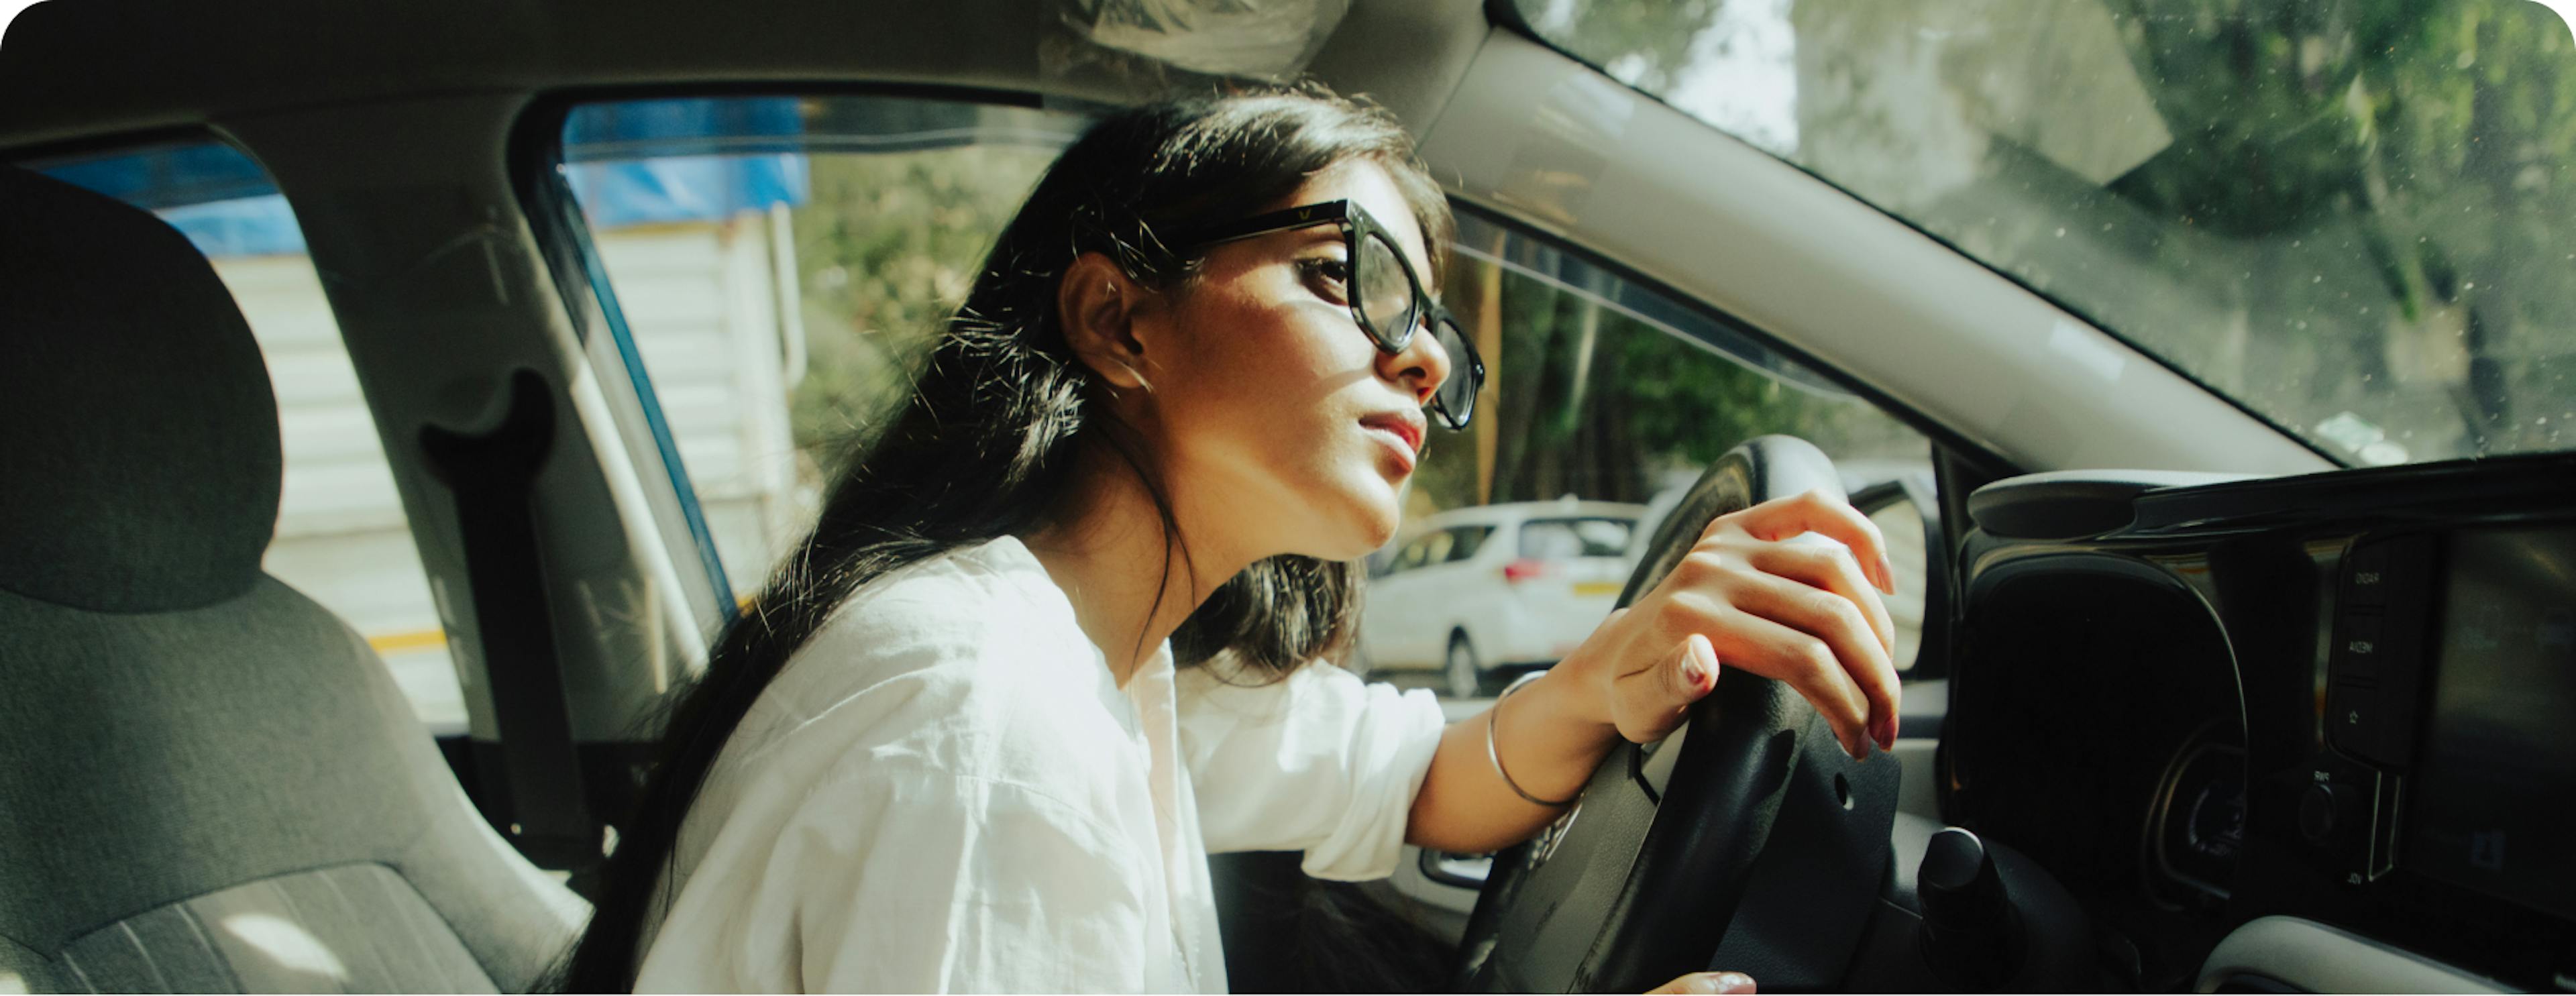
(1370, 516)
(1379, 517)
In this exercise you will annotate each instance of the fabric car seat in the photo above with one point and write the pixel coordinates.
(208, 782)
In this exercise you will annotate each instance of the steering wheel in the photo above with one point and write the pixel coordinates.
(1747, 840)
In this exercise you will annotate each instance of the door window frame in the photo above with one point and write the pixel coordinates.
(582, 281)
(572, 259)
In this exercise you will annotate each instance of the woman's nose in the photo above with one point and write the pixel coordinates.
(1420, 367)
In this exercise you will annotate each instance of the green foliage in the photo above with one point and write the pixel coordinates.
(2434, 137)
(1593, 401)
(888, 245)
(1638, 34)
(2362, 208)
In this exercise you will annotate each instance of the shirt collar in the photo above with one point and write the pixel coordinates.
(1013, 560)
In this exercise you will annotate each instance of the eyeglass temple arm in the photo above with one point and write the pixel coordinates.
(1329, 212)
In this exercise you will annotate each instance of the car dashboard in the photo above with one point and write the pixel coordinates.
(2204, 705)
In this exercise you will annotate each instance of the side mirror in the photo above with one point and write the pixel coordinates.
(1907, 514)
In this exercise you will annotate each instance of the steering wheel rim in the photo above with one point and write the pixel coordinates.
(1642, 879)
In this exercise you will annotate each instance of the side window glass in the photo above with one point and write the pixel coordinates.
(1437, 547)
(342, 538)
(1597, 537)
(780, 262)
(1466, 540)
(1604, 390)
(1548, 538)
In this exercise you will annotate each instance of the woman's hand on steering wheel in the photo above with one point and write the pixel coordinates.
(1751, 595)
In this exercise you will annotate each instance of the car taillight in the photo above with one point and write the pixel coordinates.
(1523, 569)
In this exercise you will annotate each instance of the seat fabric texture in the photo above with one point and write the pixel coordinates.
(208, 782)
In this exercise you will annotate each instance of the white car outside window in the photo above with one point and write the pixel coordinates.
(1494, 588)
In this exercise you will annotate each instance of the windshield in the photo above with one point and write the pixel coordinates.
(2354, 218)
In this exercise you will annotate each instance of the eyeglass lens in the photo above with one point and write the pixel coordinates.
(1457, 396)
(1391, 305)
(1386, 297)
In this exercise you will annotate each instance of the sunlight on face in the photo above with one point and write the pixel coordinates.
(1281, 420)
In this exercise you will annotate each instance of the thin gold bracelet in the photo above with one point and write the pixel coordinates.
(1495, 712)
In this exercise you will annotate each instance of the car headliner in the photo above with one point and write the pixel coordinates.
(103, 67)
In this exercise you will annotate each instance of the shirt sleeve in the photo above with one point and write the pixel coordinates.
(908, 880)
(1318, 762)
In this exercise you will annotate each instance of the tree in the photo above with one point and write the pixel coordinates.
(888, 245)
(2357, 214)
(1592, 399)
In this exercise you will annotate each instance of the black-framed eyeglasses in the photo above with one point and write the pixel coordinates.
(1386, 297)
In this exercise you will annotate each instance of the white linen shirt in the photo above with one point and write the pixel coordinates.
(946, 790)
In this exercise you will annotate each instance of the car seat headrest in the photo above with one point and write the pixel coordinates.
(139, 461)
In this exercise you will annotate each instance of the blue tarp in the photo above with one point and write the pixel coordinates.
(648, 161)
(170, 176)
(250, 226)
(209, 191)
(625, 162)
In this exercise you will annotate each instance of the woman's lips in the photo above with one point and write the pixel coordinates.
(1405, 426)
(1395, 444)
(1402, 435)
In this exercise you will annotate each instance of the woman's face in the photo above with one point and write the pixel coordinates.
(1281, 425)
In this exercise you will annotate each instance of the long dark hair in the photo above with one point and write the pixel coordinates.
(985, 441)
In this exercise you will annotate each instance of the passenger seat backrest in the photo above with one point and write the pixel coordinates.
(208, 782)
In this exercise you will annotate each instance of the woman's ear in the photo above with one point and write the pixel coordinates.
(1097, 303)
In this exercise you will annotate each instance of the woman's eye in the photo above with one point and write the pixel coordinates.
(1332, 276)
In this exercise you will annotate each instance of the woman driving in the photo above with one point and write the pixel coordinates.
(1065, 628)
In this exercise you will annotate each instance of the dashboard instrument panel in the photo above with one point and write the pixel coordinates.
(2340, 696)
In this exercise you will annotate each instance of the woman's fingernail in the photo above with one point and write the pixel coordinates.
(1695, 674)
(1718, 982)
